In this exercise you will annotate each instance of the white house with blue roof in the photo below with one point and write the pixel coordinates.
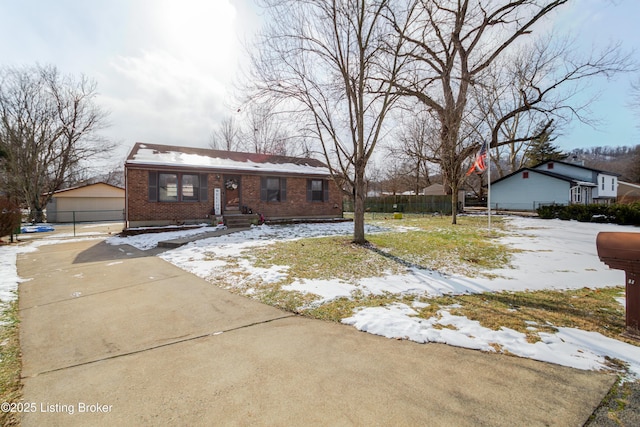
(553, 182)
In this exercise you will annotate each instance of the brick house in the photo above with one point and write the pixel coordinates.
(181, 185)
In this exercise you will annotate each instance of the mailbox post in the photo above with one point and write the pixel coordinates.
(621, 251)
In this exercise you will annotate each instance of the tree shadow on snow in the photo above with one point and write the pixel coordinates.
(434, 281)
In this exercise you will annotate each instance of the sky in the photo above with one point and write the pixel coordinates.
(166, 69)
(548, 254)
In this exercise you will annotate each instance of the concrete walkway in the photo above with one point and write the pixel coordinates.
(112, 336)
(176, 243)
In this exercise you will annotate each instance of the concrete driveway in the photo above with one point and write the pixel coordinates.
(113, 336)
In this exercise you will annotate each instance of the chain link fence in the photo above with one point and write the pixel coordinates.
(85, 216)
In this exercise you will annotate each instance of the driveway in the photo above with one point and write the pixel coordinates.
(112, 336)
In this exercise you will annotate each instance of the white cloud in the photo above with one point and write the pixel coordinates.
(164, 68)
(172, 88)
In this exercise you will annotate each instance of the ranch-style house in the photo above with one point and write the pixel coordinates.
(168, 185)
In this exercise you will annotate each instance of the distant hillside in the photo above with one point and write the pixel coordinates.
(624, 160)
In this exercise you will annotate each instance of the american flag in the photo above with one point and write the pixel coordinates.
(479, 163)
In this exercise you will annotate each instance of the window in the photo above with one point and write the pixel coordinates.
(317, 190)
(177, 187)
(613, 184)
(576, 194)
(167, 187)
(525, 175)
(603, 183)
(550, 165)
(190, 188)
(273, 189)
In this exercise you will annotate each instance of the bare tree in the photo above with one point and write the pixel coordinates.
(548, 75)
(493, 99)
(397, 175)
(228, 136)
(265, 133)
(49, 125)
(333, 59)
(414, 147)
(453, 45)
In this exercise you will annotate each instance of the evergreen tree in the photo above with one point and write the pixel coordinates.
(541, 148)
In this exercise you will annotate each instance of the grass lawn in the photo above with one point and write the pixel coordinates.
(433, 243)
(10, 364)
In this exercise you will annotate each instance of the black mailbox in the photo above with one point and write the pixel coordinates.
(621, 251)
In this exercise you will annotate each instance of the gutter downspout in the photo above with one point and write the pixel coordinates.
(126, 197)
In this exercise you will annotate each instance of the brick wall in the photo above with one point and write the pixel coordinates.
(295, 205)
(143, 212)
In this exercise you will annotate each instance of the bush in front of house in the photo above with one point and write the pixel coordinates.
(625, 214)
(548, 211)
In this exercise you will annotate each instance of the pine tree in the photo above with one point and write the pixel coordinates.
(541, 148)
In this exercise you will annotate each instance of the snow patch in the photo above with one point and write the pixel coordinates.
(550, 254)
(568, 347)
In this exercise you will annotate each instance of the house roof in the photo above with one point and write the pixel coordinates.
(629, 184)
(558, 175)
(202, 158)
(628, 191)
(77, 187)
(434, 190)
(576, 166)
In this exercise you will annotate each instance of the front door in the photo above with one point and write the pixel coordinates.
(232, 192)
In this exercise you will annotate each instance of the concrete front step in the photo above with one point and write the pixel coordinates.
(240, 220)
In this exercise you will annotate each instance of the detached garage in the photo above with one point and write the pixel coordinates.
(87, 203)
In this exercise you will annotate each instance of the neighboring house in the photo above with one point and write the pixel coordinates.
(553, 182)
(435, 190)
(439, 190)
(181, 185)
(92, 202)
(628, 192)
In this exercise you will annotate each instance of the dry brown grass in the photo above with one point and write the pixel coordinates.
(10, 362)
(540, 311)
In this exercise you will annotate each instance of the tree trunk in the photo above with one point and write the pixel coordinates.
(38, 215)
(454, 202)
(358, 207)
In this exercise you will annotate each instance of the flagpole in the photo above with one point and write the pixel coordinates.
(489, 187)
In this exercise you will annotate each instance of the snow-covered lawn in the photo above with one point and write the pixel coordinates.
(551, 254)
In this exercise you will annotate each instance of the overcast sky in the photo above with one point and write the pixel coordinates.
(165, 68)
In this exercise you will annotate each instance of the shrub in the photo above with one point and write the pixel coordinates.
(628, 214)
(599, 213)
(10, 217)
(548, 211)
(625, 214)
